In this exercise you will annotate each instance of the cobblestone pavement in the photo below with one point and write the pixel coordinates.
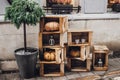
(113, 73)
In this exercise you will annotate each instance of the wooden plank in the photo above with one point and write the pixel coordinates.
(53, 74)
(82, 53)
(41, 24)
(101, 68)
(78, 69)
(87, 50)
(69, 37)
(41, 69)
(40, 41)
(100, 48)
(74, 44)
(61, 24)
(89, 63)
(79, 30)
(90, 38)
(61, 40)
(62, 69)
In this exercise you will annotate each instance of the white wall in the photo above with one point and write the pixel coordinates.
(3, 5)
(105, 32)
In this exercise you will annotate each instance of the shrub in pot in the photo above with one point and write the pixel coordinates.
(26, 12)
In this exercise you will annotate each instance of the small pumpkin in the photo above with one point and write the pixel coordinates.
(47, 56)
(52, 56)
(52, 26)
(64, 1)
(75, 53)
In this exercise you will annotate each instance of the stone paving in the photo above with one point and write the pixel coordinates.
(113, 73)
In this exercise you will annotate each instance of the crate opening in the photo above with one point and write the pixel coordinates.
(51, 68)
(100, 59)
(73, 51)
(78, 64)
(83, 37)
(51, 39)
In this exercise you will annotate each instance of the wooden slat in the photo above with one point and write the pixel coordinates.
(101, 68)
(78, 69)
(69, 37)
(89, 63)
(41, 69)
(82, 53)
(40, 41)
(90, 38)
(53, 74)
(79, 30)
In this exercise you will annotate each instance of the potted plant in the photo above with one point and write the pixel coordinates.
(25, 12)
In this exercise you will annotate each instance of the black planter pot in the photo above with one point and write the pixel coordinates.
(27, 62)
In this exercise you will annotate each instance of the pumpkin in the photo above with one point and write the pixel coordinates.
(75, 53)
(52, 56)
(64, 1)
(49, 56)
(52, 26)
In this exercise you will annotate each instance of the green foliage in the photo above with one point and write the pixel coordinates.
(24, 11)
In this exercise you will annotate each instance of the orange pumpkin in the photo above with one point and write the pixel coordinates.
(64, 1)
(52, 56)
(47, 56)
(75, 53)
(52, 26)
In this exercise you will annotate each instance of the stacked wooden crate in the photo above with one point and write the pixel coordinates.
(78, 50)
(52, 55)
(100, 57)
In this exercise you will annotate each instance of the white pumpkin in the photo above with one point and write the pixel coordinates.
(52, 26)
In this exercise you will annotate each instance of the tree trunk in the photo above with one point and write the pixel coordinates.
(24, 29)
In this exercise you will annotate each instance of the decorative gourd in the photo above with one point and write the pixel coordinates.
(64, 1)
(75, 53)
(52, 56)
(67, 1)
(47, 56)
(52, 26)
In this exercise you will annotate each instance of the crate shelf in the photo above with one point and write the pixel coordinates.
(61, 20)
(52, 70)
(100, 57)
(44, 40)
(79, 65)
(78, 52)
(57, 52)
(79, 37)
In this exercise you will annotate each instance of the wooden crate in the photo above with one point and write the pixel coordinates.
(80, 35)
(100, 52)
(59, 55)
(62, 20)
(78, 65)
(52, 69)
(83, 51)
(45, 37)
